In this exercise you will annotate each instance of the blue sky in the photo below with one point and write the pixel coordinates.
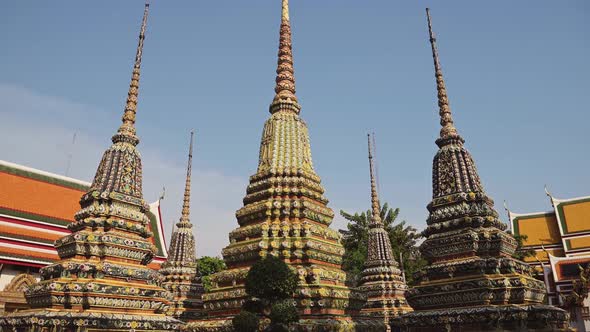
(516, 72)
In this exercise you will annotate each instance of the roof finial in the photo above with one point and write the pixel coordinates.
(163, 194)
(509, 215)
(185, 216)
(547, 192)
(376, 209)
(448, 129)
(126, 131)
(285, 82)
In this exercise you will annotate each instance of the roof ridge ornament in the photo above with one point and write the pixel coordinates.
(285, 98)
(509, 213)
(547, 191)
(448, 131)
(127, 132)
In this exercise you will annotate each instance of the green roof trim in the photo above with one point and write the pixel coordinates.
(32, 216)
(568, 246)
(43, 178)
(47, 261)
(26, 238)
(515, 227)
(561, 214)
(515, 220)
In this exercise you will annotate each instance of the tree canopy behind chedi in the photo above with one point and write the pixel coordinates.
(403, 237)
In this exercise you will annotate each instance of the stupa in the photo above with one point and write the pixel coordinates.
(285, 214)
(472, 282)
(101, 281)
(381, 281)
(180, 269)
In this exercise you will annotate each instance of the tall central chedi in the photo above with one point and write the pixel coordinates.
(101, 281)
(472, 282)
(285, 214)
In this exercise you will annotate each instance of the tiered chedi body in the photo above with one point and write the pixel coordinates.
(180, 269)
(285, 213)
(382, 282)
(472, 281)
(101, 281)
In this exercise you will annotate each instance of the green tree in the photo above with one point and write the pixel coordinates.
(207, 266)
(271, 284)
(271, 279)
(403, 237)
(521, 252)
(245, 321)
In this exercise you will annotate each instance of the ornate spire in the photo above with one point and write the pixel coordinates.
(376, 207)
(379, 251)
(448, 130)
(285, 98)
(107, 252)
(467, 250)
(182, 242)
(180, 269)
(126, 131)
(381, 281)
(186, 202)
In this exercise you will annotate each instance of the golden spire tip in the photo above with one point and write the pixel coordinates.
(285, 10)
(285, 98)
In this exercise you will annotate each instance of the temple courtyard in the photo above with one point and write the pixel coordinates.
(102, 255)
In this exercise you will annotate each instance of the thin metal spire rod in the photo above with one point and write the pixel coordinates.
(71, 155)
(375, 207)
(185, 217)
(376, 163)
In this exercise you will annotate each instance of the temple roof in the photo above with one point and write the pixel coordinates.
(563, 231)
(567, 268)
(35, 209)
(573, 214)
(543, 224)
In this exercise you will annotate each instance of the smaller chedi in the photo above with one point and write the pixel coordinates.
(180, 270)
(101, 281)
(382, 282)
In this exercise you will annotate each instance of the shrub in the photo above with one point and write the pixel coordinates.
(271, 279)
(254, 305)
(245, 321)
(284, 312)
